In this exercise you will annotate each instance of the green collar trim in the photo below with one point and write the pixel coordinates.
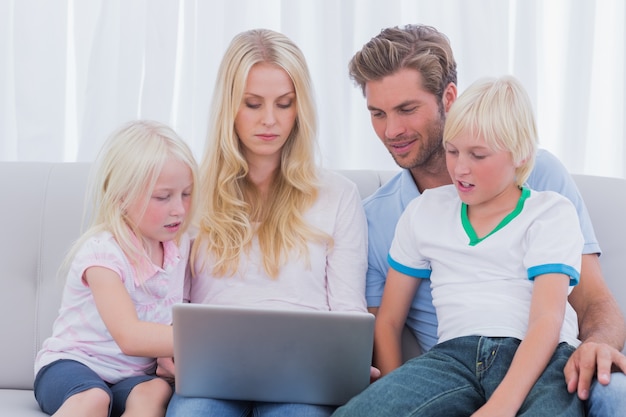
(471, 233)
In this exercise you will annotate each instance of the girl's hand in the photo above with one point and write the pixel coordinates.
(166, 368)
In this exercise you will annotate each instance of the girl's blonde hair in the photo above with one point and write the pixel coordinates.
(230, 203)
(125, 173)
(500, 110)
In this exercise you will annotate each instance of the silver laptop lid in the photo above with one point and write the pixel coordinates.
(240, 353)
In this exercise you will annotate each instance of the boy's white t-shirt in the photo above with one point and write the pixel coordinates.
(485, 288)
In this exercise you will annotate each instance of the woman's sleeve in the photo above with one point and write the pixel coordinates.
(347, 260)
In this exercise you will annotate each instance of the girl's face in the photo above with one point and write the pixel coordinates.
(482, 175)
(168, 204)
(267, 113)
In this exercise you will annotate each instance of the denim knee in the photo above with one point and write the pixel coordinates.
(193, 406)
(607, 400)
(264, 409)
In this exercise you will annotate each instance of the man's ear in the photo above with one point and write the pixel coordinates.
(449, 96)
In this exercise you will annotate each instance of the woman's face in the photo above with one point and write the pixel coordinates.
(267, 113)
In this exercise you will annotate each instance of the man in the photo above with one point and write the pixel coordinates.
(408, 77)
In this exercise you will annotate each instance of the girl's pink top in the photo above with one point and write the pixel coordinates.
(80, 334)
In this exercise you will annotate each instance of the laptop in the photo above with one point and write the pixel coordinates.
(241, 353)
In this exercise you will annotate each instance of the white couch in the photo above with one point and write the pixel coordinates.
(42, 208)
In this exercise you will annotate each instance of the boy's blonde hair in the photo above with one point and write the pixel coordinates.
(500, 110)
(125, 173)
(230, 202)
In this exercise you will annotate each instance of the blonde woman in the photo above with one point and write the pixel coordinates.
(122, 277)
(275, 230)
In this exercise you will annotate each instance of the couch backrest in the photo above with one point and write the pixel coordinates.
(605, 199)
(42, 212)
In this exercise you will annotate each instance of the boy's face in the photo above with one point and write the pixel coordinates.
(407, 118)
(481, 175)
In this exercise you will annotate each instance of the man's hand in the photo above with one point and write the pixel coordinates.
(165, 368)
(588, 360)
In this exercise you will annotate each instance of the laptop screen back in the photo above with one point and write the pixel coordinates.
(239, 353)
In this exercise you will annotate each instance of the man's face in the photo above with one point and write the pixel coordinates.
(408, 119)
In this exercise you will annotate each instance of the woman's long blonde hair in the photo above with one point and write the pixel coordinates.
(230, 210)
(125, 172)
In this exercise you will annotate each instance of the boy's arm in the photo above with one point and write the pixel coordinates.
(390, 318)
(602, 330)
(602, 326)
(547, 311)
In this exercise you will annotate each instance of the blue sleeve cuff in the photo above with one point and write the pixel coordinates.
(555, 269)
(412, 272)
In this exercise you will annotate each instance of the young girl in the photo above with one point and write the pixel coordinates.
(123, 276)
(500, 258)
(275, 231)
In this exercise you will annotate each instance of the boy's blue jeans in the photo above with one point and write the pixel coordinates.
(456, 377)
(608, 400)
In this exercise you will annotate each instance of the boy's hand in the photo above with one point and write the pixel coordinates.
(374, 374)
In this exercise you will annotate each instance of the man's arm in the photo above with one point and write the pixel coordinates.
(602, 330)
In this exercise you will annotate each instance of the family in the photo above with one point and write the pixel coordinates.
(513, 318)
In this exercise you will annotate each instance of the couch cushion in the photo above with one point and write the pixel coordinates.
(19, 403)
